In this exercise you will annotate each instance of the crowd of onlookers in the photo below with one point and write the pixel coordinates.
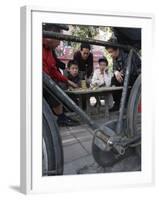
(81, 68)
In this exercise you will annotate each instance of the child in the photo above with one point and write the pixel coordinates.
(72, 72)
(102, 77)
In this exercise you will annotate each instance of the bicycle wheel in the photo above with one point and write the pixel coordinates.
(134, 113)
(52, 152)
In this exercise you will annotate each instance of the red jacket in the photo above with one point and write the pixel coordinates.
(49, 66)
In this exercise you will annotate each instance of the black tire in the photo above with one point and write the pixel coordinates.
(103, 158)
(133, 115)
(52, 151)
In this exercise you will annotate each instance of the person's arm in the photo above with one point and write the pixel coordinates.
(124, 63)
(115, 66)
(90, 65)
(118, 74)
(96, 80)
(49, 66)
(72, 84)
(54, 73)
(135, 68)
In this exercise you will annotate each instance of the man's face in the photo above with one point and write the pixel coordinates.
(85, 53)
(73, 70)
(114, 53)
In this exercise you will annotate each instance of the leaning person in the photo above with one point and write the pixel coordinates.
(50, 67)
(84, 59)
(120, 58)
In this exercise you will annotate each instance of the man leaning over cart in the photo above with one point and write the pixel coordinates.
(51, 65)
(120, 58)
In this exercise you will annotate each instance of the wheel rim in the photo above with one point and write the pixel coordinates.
(44, 158)
(134, 112)
(137, 125)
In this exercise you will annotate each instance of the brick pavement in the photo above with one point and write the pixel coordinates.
(78, 159)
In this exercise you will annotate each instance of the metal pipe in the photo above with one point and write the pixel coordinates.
(66, 100)
(59, 36)
(124, 93)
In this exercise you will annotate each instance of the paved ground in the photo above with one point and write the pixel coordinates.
(78, 159)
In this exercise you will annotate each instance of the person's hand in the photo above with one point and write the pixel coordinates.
(119, 76)
(74, 85)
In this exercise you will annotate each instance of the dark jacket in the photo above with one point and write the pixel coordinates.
(84, 65)
(120, 64)
(50, 66)
(75, 79)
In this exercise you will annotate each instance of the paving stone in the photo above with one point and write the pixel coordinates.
(73, 152)
(69, 169)
(65, 135)
(69, 140)
(75, 166)
(76, 129)
(91, 169)
(87, 145)
(131, 163)
(83, 136)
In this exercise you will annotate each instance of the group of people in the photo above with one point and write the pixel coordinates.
(100, 77)
(81, 67)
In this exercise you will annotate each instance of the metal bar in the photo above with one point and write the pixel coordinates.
(59, 36)
(132, 140)
(124, 94)
(66, 100)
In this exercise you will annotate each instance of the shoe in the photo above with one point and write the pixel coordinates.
(73, 120)
(114, 108)
(66, 122)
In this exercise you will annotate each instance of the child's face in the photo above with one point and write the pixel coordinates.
(73, 70)
(103, 66)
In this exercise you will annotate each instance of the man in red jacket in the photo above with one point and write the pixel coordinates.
(50, 67)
